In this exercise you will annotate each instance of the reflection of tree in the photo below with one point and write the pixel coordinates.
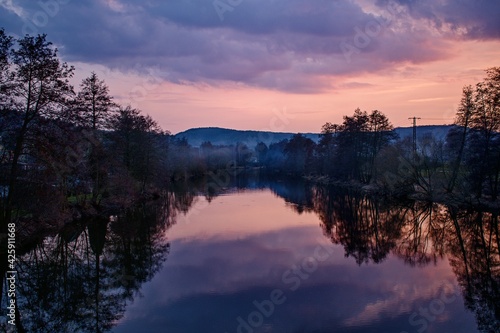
(368, 229)
(81, 279)
(60, 289)
(474, 243)
(297, 194)
(421, 239)
(420, 233)
(139, 247)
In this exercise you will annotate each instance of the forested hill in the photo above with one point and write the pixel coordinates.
(224, 136)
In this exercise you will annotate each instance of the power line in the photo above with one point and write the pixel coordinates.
(435, 118)
(414, 133)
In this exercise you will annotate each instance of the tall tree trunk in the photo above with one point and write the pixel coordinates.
(458, 160)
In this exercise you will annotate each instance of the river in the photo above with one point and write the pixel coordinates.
(267, 257)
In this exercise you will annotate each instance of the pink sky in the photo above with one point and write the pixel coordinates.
(192, 64)
(430, 91)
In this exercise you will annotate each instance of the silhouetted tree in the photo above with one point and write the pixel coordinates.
(326, 149)
(464, 113)
(5, 84)
(40, 88)
(299, 153)
(94, 106)
(140, 143)
(276, 158)
(261, 150)
(477, 147)
(351, 148)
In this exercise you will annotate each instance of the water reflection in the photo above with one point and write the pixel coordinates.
(474, 244)
(82, 278)
(370, 228)
(390, 266)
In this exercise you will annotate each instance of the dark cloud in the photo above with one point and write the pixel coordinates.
(288, 45)
(314, 17)
(472, 19)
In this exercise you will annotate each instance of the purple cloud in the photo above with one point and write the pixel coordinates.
(287, 45)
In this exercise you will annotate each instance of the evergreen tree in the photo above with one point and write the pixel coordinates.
(94, 105)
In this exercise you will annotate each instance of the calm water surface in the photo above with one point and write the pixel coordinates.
(265, 256)
(249, 262)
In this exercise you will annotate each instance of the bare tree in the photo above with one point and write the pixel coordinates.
(40, 87)
(464, 113)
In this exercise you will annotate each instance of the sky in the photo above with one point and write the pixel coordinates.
(278, 65)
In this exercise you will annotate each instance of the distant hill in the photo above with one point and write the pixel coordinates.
(225, 136)
(438, 131)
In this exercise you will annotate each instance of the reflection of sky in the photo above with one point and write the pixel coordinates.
(211, 278)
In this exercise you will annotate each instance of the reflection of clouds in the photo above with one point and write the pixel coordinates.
(229, 265)
(220, 278)
(239, 218)
(214, 275)
(401, 300)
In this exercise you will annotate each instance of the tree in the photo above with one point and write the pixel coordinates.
(487, 100)
(36, 88)
(5, 98)
(479, 146)
(326, 148)
(351, 148)
(357, 142)
(486, 120)
(464, 113)
(381, 133)
(140, 142)
(40, 87)
(275, 157)
(94, 106)
(299, 153)
(92, 109)
(261, 150)
(5, 46)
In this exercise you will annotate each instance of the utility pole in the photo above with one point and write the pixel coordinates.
(414, 133)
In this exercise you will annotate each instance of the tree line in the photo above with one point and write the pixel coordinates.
(66, 152)
(67, 149)
(365, 150)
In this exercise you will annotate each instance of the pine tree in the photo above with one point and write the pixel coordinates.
(94, 105)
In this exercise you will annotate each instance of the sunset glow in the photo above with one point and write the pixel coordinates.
(196, 64)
